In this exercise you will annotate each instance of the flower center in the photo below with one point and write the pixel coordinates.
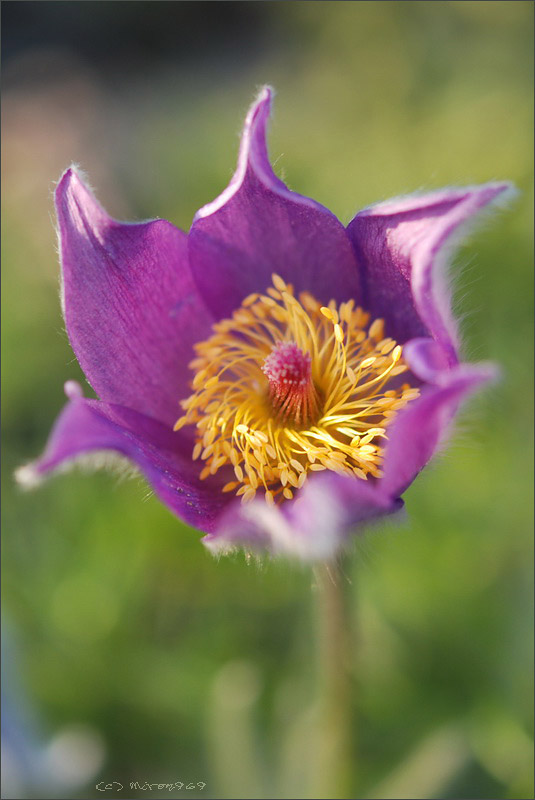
(291, 390)
(287, 387)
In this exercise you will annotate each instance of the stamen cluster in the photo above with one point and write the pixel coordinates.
(287, 387)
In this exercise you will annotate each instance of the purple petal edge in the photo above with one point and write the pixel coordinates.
(426, 358)
(423, 425)
(312, 527)
(402, 246)
(86, 429)
(257, 226)
(131, 308)
(253, 155)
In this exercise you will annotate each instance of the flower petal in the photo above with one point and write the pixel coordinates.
(421, 427)
(101, 429)
(257, 227)
(426, 358)
(402, 247)
(315, 525)
(131, 308)
(312, 527)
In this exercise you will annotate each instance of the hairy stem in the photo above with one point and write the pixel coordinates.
(336, 756)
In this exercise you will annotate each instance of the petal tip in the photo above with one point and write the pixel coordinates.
(28, 477)
(73, 390)
(262, 103)
(253, 151)
(265, 95)
(216, 546)
(71, 179)
(74, 190)
(253, 158)
(472, 375)
(76, 205)
(493, 193)
(503, 192)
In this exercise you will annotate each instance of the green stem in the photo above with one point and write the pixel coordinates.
(335, 761)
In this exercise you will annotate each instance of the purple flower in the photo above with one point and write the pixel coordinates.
(314, 368)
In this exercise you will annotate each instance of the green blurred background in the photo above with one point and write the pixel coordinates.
(132, 654)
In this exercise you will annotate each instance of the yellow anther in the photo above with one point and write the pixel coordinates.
(278, 283)
(292, 478)
(249, 494)
(346, 368)
(296, 465)
(199, 378)
(270, 450)
(386, 346)
(238, 472)
(375, 330)
(396, 353)
(208, 437)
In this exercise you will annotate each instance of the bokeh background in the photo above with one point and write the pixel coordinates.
(130, 653)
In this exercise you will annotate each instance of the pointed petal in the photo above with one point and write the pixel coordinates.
(131, 308)
(90, 431)
(312, 527)
(402, 246)
(422, 426)
(257, 227)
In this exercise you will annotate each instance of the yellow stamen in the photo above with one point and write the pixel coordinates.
(287, 387)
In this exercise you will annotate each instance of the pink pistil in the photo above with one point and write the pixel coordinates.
(291, 389)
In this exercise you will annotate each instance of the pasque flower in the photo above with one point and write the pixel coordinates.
(278, 378)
